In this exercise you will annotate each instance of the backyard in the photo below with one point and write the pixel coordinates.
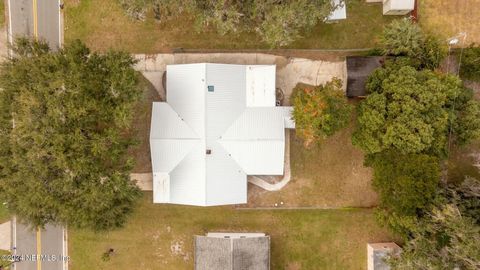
(161, 237)
(110, 28)
(448, 18)
(330, 175)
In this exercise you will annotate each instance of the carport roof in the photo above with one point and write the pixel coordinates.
(358, 70)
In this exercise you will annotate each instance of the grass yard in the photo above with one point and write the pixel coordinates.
(141, 127)
(450, 17)
(462, 162)
(102, 25)
(330, 174)
(4, 215)
(305, 239)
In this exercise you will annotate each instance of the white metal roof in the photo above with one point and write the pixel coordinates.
(219, 124)
(400, 4)
(340, 11)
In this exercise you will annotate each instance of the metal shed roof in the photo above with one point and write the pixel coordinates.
(358, 70)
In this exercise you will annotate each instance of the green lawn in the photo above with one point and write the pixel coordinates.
(2, 14)
(4, 216)
(102, 25)
(305, 239)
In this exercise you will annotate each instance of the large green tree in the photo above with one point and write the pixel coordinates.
(320, 111)
(278, 22)
(64, 119)
(411, 111)
(448, 236)
(407, 187)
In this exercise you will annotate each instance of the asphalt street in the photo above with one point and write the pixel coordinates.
(48, 243)
(41, 19)
(36, 18)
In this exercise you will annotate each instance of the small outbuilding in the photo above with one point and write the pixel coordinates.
(358, 70)
(232, 251)
(378, 252)
(398, 7)
(339, 13)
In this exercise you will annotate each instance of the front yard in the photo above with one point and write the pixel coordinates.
(161, 237)
(102, 25)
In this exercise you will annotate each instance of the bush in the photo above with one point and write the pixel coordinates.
(470, 68)
(320, 111)
(405, 38)
(407, 186)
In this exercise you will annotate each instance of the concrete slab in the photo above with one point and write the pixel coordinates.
(144, 180)
(5, 235)
(155, 78)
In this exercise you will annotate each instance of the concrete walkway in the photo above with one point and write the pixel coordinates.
(144, 180)
(5, 235)
(258, 181)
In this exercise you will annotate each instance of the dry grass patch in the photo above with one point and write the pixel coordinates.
(450, 17)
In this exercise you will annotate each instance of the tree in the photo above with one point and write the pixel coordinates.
(320, 111)
(64, 119)
(407, 187)
(277, 22)
(446, 240)
(470, 68)
(447, 236)
(410, 111)
(404, 38)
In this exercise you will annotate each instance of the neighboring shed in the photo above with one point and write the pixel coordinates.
(232, 251)
(358, 70)
(378, 252)
(339, 13)
(398, 7)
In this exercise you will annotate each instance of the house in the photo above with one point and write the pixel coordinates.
(358, 70)
(378, 252)
(219, 124)
(232, 251)
(339, 13)
(396, 7)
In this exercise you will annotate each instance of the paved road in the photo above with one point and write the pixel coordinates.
(36, 18)
(49, 243)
